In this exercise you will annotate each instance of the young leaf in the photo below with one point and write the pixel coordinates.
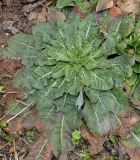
(80, 100)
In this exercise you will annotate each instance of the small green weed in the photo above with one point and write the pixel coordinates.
(1, 87)
(31, 136)
(76, 137)
(112, 138)
(84, 155)
(3, 134)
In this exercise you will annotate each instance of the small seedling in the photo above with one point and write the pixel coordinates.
(84, 155)
(31, 136)
(76, 137)
(1, 87)
(112, 138)
(3, 134)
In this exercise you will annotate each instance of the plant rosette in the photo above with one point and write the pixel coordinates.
(71, 73)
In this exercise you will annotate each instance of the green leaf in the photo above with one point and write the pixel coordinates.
(25, 78)
(109, 46)
(60, 88)
(98, 123)
(132, 81)
(60, 138)
(85, 76)
(64, 3)
(137, 56)
(102, 80)
(92, 94)
(136, 68)
(111, 101)
(86, 7)
(75, 86)
(134, 139)
(122, 26)
(23, 46)
(136, 94)
(66, 104)
(61, 127)
(118, 76)
(124, 63)
(127, 25)
(44, 72)
(41, 33)
(43, 100)
(59, 70)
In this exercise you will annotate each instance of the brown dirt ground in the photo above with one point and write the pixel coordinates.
(11, 10)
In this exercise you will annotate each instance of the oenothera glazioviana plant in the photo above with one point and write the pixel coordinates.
(74, 75)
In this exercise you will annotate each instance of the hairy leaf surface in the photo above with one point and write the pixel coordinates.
(73, 72)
